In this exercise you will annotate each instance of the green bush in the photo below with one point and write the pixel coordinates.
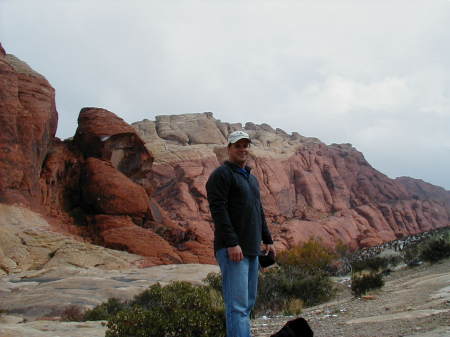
(105, 310)
(282, 289)
(178, 309)
(312, 255)
(214, 280)
(374, 264)
(435, 249)
(279, 287)
(394, 260)
(411, 255)
(362, 283)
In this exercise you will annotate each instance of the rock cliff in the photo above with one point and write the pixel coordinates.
(141, 187)
(308, 188)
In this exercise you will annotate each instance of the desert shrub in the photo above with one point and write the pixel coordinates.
(312, 255)
(293, 307)
(286, 289)
(279, 286)
(105, 310)
(362, 283)
(435, 249)
(214, 280)
(374, 264)
(72, 313)
(178, 309)
(394, 260)
(411, 255)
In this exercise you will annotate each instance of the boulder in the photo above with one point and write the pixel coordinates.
(106, 190)
(102, 134)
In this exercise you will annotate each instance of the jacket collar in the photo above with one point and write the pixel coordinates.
(236, 167)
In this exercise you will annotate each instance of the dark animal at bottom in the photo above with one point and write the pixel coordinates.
(298, 327)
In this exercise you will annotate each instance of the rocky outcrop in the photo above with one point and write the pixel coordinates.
(421, 190)
(309, 189)
(106, 190)
(28, 118)
(27, 242)
(96, 186)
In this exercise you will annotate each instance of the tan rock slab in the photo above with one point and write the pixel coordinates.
(413, 314)
(53, 329)
(48, 292)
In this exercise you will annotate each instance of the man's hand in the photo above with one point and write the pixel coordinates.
(235, 253)
(270, 248)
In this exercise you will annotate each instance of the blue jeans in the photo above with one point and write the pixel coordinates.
(240, 284)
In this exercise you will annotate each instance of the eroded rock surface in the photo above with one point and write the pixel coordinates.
(28, 119)
(309, 189)
(27, 242)
(48, 292)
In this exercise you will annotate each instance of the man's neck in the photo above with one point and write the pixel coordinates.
(240, 164)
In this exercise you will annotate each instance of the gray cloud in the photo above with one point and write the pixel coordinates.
(372, 73)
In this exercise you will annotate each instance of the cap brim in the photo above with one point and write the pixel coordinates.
(238, 139)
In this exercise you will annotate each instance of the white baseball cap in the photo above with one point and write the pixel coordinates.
(236, 136)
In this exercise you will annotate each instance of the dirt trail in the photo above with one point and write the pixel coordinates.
(413, 302)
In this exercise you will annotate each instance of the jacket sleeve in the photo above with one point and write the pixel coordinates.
(266, 236)
(217, 189)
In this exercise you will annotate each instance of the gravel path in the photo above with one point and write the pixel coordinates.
(413, 302)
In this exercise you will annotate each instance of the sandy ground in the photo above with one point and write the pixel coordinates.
(413, 302)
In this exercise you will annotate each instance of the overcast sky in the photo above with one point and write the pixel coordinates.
(372, 73)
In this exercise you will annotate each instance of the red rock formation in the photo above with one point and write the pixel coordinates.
(106, 190)
(98, 179)
(120, 232)
(60, 187)
(309, 189)
(421, 190)
(102, 134)
(28, 118)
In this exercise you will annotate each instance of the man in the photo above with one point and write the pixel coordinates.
(240, 226)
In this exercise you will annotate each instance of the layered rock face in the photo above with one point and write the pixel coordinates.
(28, 120)
(309, 189)
(141, 188)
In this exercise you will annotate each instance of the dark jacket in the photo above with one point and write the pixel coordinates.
(236, 210)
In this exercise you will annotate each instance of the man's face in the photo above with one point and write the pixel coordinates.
(238, 152)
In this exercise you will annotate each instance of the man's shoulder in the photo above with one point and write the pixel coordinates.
(221, 171)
